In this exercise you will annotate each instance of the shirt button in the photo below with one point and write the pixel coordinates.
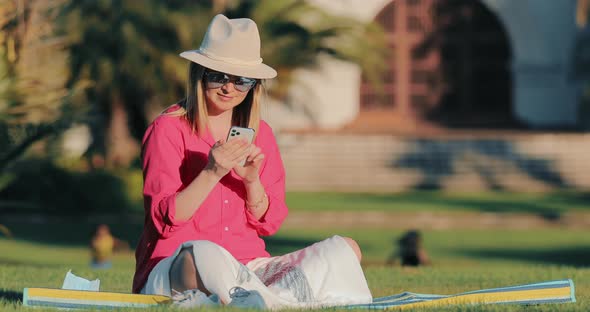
(226, 229)
(226, 201)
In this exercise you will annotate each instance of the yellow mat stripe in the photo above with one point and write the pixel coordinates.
(96, 295)
(493, 297)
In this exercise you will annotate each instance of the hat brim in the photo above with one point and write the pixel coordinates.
(258, 71)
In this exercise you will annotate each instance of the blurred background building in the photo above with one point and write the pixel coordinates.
(475, 95)
(483, 64)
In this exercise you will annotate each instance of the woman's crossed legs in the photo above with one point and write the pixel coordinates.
(184, 274)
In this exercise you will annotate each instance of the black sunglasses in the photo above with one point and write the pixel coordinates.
(216, 80)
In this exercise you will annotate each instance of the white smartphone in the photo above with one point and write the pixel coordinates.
(236, 132)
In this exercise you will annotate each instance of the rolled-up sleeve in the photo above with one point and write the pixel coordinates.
(162, 156)
(272, 176)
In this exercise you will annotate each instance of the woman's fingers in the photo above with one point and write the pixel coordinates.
(232, 152)
(240, 152)
(228, 155)
(221, 152)
(256, 160)
(254, 153)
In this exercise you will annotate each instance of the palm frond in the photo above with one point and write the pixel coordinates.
(295, 34)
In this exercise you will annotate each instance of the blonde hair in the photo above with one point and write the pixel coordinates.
(194, 108)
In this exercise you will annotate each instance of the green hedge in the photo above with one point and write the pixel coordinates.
(38, 185)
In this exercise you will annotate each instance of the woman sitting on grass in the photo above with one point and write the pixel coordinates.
(205, 211)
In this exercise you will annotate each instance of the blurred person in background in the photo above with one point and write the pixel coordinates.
(205, 212)
(102, 246)
(5, 231)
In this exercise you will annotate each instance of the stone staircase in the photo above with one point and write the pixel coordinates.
(453, 161)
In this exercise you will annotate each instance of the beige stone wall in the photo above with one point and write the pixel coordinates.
(460, 162)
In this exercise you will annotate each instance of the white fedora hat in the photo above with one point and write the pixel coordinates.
(231, 46)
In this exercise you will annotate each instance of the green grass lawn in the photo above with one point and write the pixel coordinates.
(536, 203)
(463, 260)
(42, 252)
(545, 203)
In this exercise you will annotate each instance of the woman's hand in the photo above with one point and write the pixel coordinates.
(227, 155)
(249, 172)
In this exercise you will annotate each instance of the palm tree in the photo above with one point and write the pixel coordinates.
(582, 12)
(296, 34)
(582, 62)
(120, 49)
(33, 100)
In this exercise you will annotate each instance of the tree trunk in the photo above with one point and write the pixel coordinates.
(121, 147)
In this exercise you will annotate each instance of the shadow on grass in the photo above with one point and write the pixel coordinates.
(79, 234)
(71, 233)
(546, 211)
(550, 206)
(31, 264)
(571, 256)
(11, 296)
(280, 245)
(571, 198)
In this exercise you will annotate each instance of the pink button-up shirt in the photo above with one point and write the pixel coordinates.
(173, 155)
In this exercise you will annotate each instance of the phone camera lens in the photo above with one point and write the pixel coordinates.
(238, 133)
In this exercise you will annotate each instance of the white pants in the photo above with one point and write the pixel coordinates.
(326, 273)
